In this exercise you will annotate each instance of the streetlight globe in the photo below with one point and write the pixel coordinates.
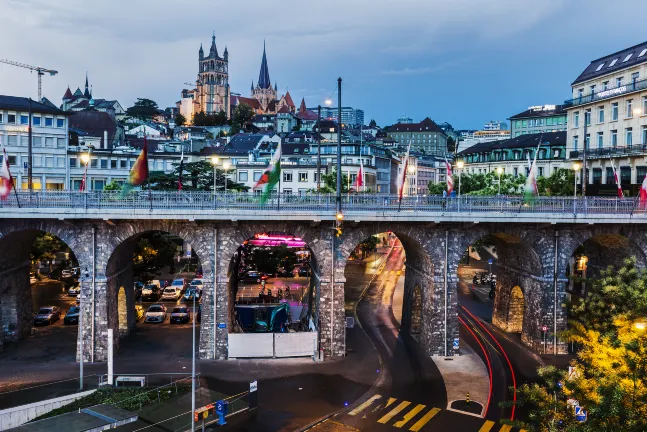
(215, 160)
(85, 158)
(640, 325)
(328, 102)
(226, 165)
(412, 169)
(499, 170)
(460, 164)
(340, 216)
(576, 166)
(637, 112)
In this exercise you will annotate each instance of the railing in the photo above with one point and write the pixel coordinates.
(608, 93)
(185, 201)
(638, 149)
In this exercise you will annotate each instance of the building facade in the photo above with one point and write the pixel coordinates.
(349, 116)
(537, 119)
(608, 114)
(425, 137)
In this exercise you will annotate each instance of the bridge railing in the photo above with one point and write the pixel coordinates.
(196, 201)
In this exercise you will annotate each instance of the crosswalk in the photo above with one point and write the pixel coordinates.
(415, 417)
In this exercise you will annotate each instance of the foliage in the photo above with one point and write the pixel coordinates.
(180, 120)
(195, 176)
(143, 109)
(112, 186)
(372, 123)
(560, 183)
(152, 252)
(241, 117)
(45, 247)
(270, 259)
(611, 366)
(329, 183)
(451, 145)
(368, 245)
(214, 119)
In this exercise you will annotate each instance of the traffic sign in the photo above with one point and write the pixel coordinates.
(580, 414)
(455, 343)
(490, 261)
(222, 325)
(544, 329)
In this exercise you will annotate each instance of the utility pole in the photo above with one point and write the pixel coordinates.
(319, 148)
(584, 173)
(30, 183)
(339, 146)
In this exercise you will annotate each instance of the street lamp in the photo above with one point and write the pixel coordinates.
(225, 166)
(328, 101)
(499, 171)
(214, 161)
(637, 112)
(85, 158)
(576, 168)
(460, 164)
(640, 325)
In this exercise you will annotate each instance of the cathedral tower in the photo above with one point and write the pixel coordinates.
(212, 89)
(264, 93)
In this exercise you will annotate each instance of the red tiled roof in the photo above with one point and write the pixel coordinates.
(302, 107)
(68, 93)
(250, 102)
(307, 115)
(288, 99)
(284, 110)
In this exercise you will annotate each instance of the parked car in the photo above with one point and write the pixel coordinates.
(47, 315)
(150, 292)
(180, 283)
(156, 313)
(188, 295)
(254, 276)
(304, 272)
(139, 312)
(67, 273)
(196, 283)
(171, 293)
(74, 291)
(72, 315)
(180, 315)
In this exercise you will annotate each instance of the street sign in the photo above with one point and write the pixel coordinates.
(25, 165)
(253, 386)
(544, 328)
(202, 412)
(350, 322)
(455, 343)
(490, 261)
(253, 394)
(580, 414)
(221, 412)
(222, 325)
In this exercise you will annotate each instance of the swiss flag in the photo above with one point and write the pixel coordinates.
(6, 181)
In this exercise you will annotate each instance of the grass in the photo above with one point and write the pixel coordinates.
(130, 399)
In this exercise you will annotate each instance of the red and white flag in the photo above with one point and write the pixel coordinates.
(617, 179)
(643, 194)
(6, 181)
(403, 174)
(449, 177)
(359, 181)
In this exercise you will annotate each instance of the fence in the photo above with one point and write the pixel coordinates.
(279, 345)
(183, 201)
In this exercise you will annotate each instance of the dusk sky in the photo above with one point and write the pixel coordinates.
(461, 61)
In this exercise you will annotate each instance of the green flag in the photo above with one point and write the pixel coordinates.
(271, 175)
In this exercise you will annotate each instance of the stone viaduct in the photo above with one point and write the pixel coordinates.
(534, 250)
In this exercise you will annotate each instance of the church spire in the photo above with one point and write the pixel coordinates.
(87, 88)
(213, 52)
(264, 74)
(201, 52)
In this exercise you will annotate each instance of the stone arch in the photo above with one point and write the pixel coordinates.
(513, 322)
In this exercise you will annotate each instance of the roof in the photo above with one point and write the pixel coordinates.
(302, 107)
(241, 143)
(522, 141)
(23, 103)
(424, 126)
(288, 99)
(47, 102)
(94, 123)
(264, 74)
(537, 112)
(78, 93)
(68, 93)
(288, 149)
(250, 102)
(284, 110)
(307, 115)
(625, 58)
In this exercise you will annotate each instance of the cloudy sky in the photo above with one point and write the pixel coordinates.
(461, 61)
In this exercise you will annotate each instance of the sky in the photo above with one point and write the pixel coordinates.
(462, 61)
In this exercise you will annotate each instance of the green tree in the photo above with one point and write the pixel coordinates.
(195, 176)
(330, 183)
(368, 245)
(152, 252)
(180, 120)
(242, 116)
(144, 109)
(372, 123)
(45, 248)
(213, 119)
(560, 183)
(482, 184)
(451, 145)
(112, 186)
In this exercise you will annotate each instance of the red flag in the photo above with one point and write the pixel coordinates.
(6, 181)
(643, 194)
(450, 178)
(617, 179)
(359, 181)
(179, 180)
(403, 175)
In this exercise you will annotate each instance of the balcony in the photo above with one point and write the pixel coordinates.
(607, 94)
(599, 153)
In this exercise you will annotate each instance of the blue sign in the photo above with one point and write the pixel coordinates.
(222, 325)
(221, 407)
(455, 344)
(25, 165)
(580, 414)
(490, 261)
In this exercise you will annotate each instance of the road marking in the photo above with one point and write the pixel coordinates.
(486, 426)
(408, 416)
(390, 402)
(394, 412)
(365, 405)
(505, 428)
(424, 420)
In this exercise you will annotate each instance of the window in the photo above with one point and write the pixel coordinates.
(49, 122)
(524, 123)
(587, 117)
(35, 120)
(24, 140)
(516, 172)
(49, 142)
(11, 160)
(37, 141)
(600, 67)
(628, 57)
(629, 108)
(49, 161)
(24, 119)
(61, 123)
(287, 176)
(123, 163)
(614, 138)
(597, 175)
(644, 108)
(303, 176)
(257, 175)
(72, 162)
(99, 184)
(61, 142)
(541, 171)
(1, 117)
(576, 143)
(242, 176)
(613, 62)
(11, 118)
(576, 119)
(104, 163)
(614, 111)
(12, 140)
(605, 85)
(287, 191)
(593, 89)
(601, 114)
(644, 135)
(94, 162)
(60, 162)
(113, 163)
(634, 77)
(619, 81)
(642, 53)
(37, 160)
(600, 140)
(580, 92)
(628, 136)
(587, 141)
(131, 163)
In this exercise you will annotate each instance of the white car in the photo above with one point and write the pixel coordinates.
(74, 291)
(196, 283)
(156, 313)
(171, 293)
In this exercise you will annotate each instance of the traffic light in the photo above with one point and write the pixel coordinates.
(338, 229)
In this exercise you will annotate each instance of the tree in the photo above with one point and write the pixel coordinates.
(451, 145)
(152, 252)
(243, 114)
(270, 259)
(330, 183)
(368, 245)
(482, 184)
(144, 109)
(45, 247)
(213, 119)
(372, 123)
(195, 176)
(560, 183)
(180, 120)
(112, 186)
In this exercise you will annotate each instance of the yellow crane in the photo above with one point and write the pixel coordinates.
(39, 70)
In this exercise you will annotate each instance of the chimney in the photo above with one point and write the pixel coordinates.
(105, 139)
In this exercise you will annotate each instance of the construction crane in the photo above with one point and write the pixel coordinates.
(39, 70)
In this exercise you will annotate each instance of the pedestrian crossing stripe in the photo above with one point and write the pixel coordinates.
(424, 420)
(365, 405)
(486, 426)
(505, 428)
(408, 416)
(394, 412)
(390, 402)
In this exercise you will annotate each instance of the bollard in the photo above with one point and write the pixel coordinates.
(467, 399)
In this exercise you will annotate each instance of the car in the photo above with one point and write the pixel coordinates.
(67, 273)
(171, 293)
(47, 315)
(78, 299)
(188, 295)
(150, 291)
(180, 314)
(196, 283)
(180, 283)
(74, 291)
(254, 276)
(72, 315)
(32, 278)
(304, 272)
(156, 313)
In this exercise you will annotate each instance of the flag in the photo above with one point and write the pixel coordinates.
(643, 194)
(359, 181)
(450, 178)
(179, 179)
(617, 179)
(6, 181)
(139, 171)
(271, 175)
(530, 192)
(403, 174)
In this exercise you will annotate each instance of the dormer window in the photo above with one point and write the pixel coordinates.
(628, 57)
(600, 67)
(613, 62)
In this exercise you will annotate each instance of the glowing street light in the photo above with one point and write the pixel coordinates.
(460, 164)
(85, 158)
(328, 102)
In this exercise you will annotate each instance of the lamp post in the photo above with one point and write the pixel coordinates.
(585, 180)
(225, 166)
(339, 145)
(85, 158)
(460, 165)
(214, 161)
(319, 148)
(576, 168)
(499, 171)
